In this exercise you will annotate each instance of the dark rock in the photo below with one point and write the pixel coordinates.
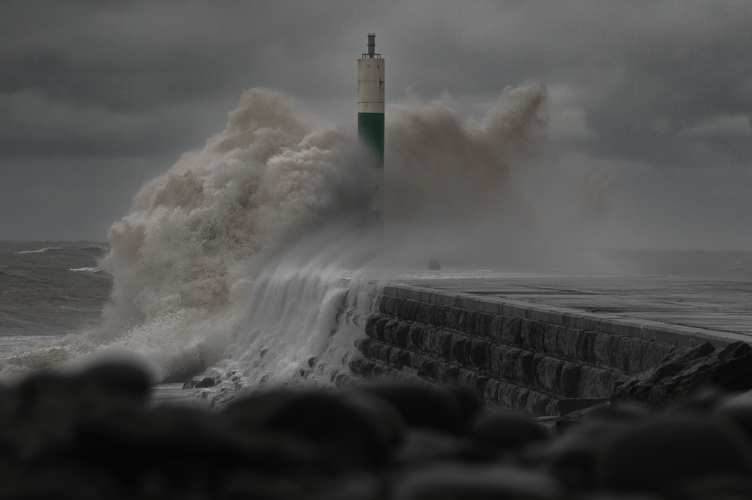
(574, 457)
(433, 265)
(716, 486)
(456, 480)
(662, 454)
(450, 410)
(190, 384)
(357, 428)
(685, 372)
(206, 382)
(121, 379)
(426, 445)
(507, 431)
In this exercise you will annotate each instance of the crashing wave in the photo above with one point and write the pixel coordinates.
(235, 257)
(46, 249)
(87, 270)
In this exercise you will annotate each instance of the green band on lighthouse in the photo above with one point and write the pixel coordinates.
(371, 130)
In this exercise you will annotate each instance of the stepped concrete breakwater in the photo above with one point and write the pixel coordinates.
(546, 345)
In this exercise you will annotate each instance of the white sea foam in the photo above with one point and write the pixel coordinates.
(87, 270)
(236, 256)
(185, 260)
(46, 249)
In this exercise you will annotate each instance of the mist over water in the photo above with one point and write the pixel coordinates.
(236, 256)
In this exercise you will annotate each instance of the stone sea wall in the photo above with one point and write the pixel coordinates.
(538, 361)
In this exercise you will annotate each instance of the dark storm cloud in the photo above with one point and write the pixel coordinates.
(665, 84)
(663, 62)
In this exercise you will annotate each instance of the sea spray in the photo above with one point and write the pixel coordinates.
(185, 259)
(247, 257)
(305, 312)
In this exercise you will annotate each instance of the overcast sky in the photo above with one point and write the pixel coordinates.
(98, 97)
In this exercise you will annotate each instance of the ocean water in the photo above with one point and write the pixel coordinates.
(49, 290)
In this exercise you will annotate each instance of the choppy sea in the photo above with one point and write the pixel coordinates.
(49, 290)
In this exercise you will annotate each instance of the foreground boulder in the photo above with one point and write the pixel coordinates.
(97, 435)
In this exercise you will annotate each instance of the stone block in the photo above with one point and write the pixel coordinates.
(426, 313)
(439, 343)
(528, 329)
(389, 328)
(393, 360)
(629, 352)
(550, 337)
(510, 333)
(467, 378)
(404, 358)
(483, 323)
(372, 349)
(395, 306)
(491, 390)
(495, 353)
(371, 322)
(411, 310)
(582, 321)
(510, 363)
(385, 303)
(494, 327)
(547, 315)
(363, 345)
(516, 311)
(401, 334)
(460, 350)
(480, 384)
(479, 354)
(448, 313)
(447, 373)
(509, 394)
(469, 323)
(537, 403)
(415, 335)
(427, 365)
(354, 364)
(458, 318)
(570, 380)
(524, 368)
(501, 364)
(604, 349)
(567, 341)
(439, 316)
(585, 347)
(548, 373)
(383, 353)
(596, 382)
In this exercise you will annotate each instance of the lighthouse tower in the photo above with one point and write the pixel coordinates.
(371, 123)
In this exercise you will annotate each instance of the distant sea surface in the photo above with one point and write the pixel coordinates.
(48, 290)
(51, 289)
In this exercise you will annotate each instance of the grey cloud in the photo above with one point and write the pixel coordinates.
(719, 126)
(639, 82)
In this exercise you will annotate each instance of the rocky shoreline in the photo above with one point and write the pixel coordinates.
(96, 435)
